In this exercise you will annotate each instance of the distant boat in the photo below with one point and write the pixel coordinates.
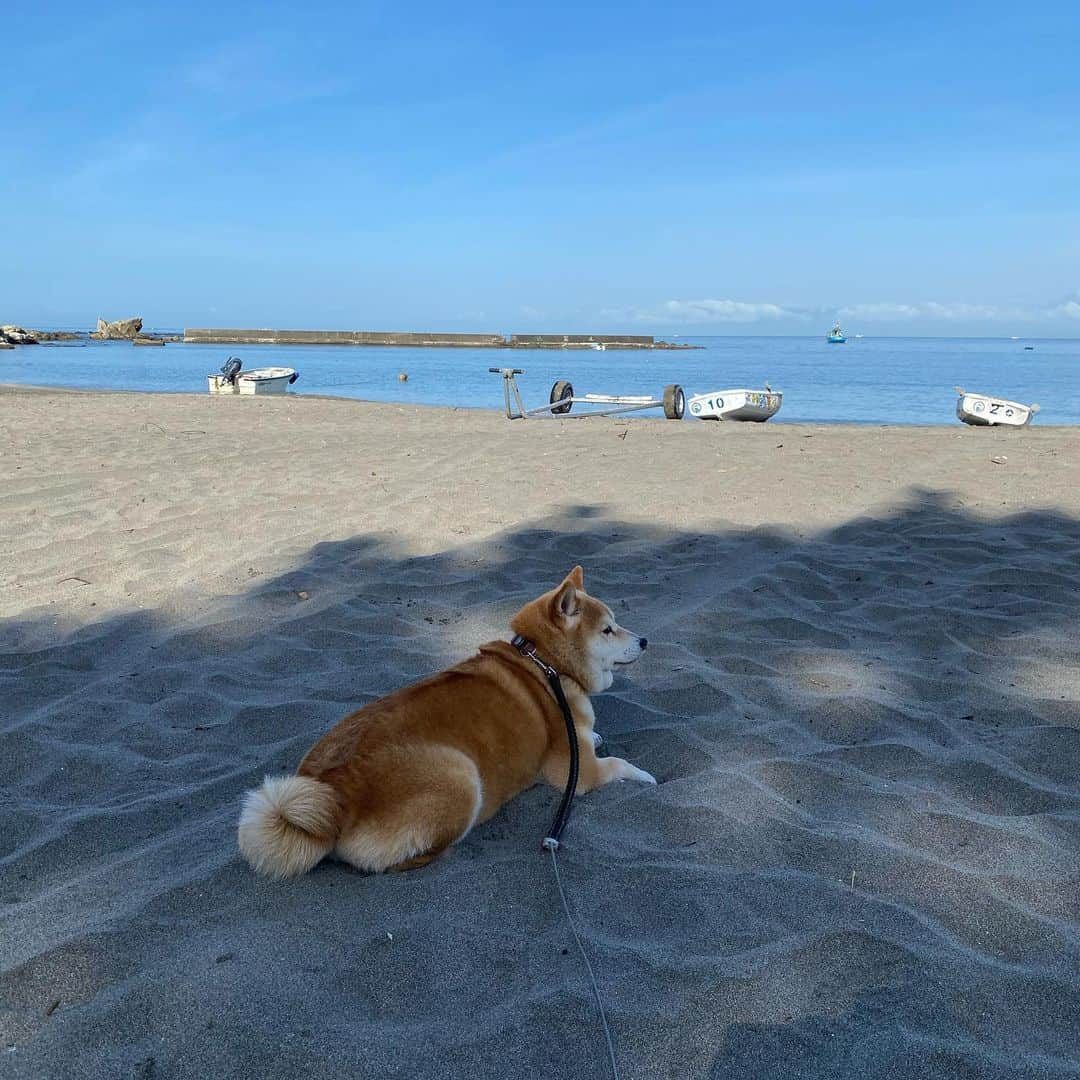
(1014, 338)
(599, 346)
(858, 335)
(983, 411)
(835, 336)
(1029, 348)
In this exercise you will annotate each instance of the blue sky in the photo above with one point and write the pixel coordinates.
(675, 168)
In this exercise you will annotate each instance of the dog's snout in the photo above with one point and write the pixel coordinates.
(643, 642)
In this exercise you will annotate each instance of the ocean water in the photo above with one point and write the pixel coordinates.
(868, 380)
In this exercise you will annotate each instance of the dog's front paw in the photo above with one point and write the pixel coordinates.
(626, 771)
(597, 740)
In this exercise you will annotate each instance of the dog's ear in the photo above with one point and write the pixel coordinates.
(577, 576)
(566, 603)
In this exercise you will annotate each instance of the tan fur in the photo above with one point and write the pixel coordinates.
(288, 825)
(397, 782)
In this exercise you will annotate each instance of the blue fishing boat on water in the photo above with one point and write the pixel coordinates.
(835, 336)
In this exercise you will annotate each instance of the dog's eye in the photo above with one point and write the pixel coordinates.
(609, 629)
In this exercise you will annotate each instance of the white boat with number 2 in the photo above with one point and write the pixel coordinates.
(984, 411)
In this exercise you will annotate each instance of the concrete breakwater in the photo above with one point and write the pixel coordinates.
(589, 341)
(338, 337)
(208, 336)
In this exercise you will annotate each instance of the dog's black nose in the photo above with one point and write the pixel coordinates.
(643, 642)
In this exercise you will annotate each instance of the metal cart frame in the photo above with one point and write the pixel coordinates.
(563, 399)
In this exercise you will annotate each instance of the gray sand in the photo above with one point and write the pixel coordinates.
(860, 699)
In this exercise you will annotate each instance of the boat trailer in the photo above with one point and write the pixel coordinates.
(562, 400)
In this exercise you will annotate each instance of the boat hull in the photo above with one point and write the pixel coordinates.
(980, 410)
(256, 381)
(755, 406)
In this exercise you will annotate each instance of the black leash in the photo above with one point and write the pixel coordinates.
(562, 815)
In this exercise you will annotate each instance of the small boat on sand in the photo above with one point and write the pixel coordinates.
(836, 336)
(754, 405)
(982, 411)
(268, 380)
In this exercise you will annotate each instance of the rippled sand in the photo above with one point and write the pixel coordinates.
(860, 699)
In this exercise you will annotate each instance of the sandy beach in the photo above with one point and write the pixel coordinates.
(861, 700)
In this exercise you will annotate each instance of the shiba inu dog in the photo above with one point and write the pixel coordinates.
(397, 782)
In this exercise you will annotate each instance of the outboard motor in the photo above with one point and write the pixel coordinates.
(293, 377)
(231, 368)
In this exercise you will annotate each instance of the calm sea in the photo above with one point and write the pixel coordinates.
(868, 380)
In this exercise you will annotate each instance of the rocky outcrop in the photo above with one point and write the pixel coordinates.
(59, 335)
(156, 339)
(121, 330)
(16, 335)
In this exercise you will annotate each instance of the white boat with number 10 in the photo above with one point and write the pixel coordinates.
(753, 405)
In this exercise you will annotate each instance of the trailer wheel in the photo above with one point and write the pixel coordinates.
(561, 391)
(674, 402)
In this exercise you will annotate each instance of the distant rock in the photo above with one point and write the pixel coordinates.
(16, 335)
(59, 335)
(121, 330)
(155, 339)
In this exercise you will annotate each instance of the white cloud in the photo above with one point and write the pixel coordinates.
(914, 314)
(109, 161)
(1069, 308)
(935, 310)
(703, 311)
(879, 312)
(930, 310)
(251, 76)
(700, 312)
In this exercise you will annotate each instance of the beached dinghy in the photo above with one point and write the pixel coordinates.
(269, 380)
(754, 405)
(983, 411)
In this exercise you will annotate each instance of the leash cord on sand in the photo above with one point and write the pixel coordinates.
(588, 966)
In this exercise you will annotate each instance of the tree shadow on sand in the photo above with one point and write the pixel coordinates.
(861, 859)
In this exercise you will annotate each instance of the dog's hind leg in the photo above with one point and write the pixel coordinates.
(435, 799)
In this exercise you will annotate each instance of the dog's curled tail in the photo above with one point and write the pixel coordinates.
(288, 825)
